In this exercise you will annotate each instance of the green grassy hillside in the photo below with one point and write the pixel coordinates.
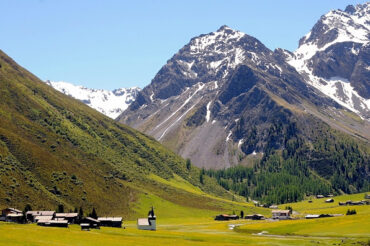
(56, 150)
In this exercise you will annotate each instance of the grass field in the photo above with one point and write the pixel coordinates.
(197, 227)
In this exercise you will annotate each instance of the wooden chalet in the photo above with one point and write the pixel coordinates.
(111, 221)
(7, 211)
(32, 215)
(85, 226)
(53, 223)
(312, 216)
(254, 217)
(226, 217)
(93, 223)
(281, 214)
(351, 203)
(12, 215)
(15, 218)
(70, 217)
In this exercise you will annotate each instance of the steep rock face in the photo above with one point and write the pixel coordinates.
(110, 103)
(219, 100)
(334, 57)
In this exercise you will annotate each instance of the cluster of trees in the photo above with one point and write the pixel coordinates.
(275, 181)
(351, 212)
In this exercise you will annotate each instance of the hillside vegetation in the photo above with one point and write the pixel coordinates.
(56, 150)
(329, 162)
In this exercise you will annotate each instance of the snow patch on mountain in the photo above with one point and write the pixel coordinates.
(208, 115)
(337, 26)
(110, 103)
(341, 91)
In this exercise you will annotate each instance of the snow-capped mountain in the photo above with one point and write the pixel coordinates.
(225, 96)
(335, 57)
(110, 103)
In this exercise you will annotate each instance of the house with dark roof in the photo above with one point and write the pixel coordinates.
(226, 217)
(92, 223)
(111, 221)
(53, 223)
(32, 215)
(12, 215)
(254, 217)
(70, 217)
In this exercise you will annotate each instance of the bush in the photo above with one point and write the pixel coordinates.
(351, 212)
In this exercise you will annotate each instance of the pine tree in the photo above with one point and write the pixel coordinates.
(93, 214)
(188, 164)
(60, 208)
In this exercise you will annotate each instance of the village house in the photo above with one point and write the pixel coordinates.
(35, 216)
(111, 221)
(53, 223)
(351, 203)
(90, 223)
(147, 223)
(70, 217)
(281, 214)
(319, 196)
(226, 217)
(15, 218)
(329, 200)
(254, 217)
(85, 226)
(7, 211)
(312, 216)
(12, 215)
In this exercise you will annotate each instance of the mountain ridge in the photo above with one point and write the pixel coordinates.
(334, 57)
(110, 103)
(227, 102)
(203, 89)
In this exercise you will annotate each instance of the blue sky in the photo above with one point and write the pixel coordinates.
(110, 44)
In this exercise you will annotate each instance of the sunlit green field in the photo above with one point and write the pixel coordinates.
(197, 227)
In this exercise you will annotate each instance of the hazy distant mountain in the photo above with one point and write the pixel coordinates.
(334, 57)
(110, 103)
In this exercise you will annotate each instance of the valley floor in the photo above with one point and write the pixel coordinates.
(206, 233)
(343, 230)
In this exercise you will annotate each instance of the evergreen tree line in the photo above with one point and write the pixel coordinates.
(326, 164)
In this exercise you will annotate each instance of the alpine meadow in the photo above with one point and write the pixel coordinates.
(229, 143)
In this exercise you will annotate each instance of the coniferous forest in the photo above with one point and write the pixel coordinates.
(327, 164)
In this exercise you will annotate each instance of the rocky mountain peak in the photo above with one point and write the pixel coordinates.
(206, 58)
(334, 57)
(353, 25)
